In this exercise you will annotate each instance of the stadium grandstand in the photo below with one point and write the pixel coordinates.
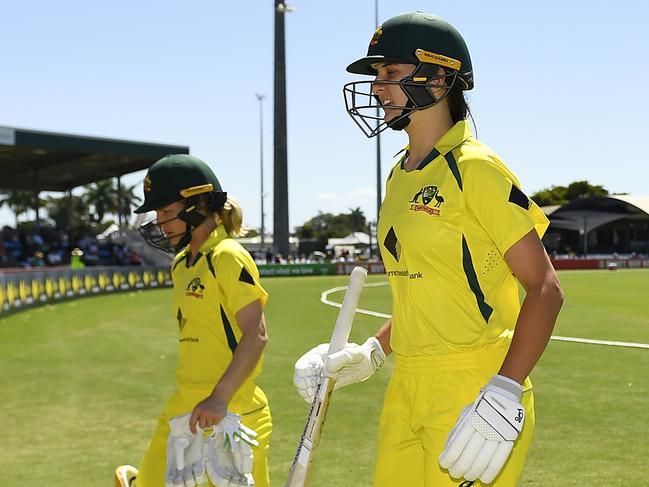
(34, 161)
(604, 225)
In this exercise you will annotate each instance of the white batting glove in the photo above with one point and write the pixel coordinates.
(483, 437)
(185, 466)
(228, 453)
(354, 363)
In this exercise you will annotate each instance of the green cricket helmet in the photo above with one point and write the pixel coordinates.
(432, 45)
(179, 177)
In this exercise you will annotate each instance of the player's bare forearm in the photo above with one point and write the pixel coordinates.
(533, 330)
(383, 336)
(211, 410)
(544, 297)
(253, 340)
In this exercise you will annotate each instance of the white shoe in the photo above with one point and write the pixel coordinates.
(125, 476)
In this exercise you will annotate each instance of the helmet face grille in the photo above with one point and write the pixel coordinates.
(152, 233)
(196, 210)
(366, 109)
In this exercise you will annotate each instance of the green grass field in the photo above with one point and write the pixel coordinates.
(82, 383)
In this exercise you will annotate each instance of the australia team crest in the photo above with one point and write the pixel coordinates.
(195, 288)
(431, 200)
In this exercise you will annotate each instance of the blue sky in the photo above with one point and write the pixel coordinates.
(561, 87)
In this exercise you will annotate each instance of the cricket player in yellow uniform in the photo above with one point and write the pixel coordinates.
(457, 235)
(217, 305)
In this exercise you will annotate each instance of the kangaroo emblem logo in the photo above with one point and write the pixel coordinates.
(195, 288)
(195, 284)
(428, 194)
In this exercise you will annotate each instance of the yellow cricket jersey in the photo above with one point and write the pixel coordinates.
(206, 299)
(444, 228)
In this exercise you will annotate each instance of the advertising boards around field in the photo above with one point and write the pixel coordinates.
(25, 289)
(565, 264)
(319, 269)
(373, 267)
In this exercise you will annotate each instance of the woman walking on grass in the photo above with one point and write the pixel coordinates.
(457, 236)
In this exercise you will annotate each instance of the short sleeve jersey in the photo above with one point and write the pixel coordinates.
(444, 229)
(206, 298)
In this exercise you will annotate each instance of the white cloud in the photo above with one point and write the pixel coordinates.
(355, 197)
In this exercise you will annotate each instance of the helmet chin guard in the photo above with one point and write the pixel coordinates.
(152, 233)
(195, 211)
(361, 103)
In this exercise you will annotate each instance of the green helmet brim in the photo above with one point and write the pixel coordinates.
(364, 65)
(145, 208)
(152, 206)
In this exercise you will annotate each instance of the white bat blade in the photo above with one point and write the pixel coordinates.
(301, 468)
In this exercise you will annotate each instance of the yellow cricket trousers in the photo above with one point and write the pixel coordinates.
(422, 404)
(255, 414)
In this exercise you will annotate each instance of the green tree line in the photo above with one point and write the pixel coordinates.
(327, 225)
(562, 195)
(91, 210)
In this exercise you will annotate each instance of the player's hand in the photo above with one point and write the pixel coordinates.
(483, 437)
(354, 363)
(207, 413)
(185, 466)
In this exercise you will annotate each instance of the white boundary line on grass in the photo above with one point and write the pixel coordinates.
(324, 298)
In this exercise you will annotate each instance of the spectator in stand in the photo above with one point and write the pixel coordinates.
(76, 262)
(134, 258)
(3, 254)
(54, 257)
(37, 259)
(37, 240)
(18, 248)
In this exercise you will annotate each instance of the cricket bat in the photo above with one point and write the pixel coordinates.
(303, 461)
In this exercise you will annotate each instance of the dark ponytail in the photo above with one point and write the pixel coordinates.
(457, 104)
(459, 107)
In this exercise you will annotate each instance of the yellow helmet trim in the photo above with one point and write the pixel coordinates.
(194, 190)
(431, 57)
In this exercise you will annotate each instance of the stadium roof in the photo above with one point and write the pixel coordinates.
(548, 210)
(47, 161)
(594, 212)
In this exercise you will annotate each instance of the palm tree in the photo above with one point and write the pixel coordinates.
(20, 201)
(58, 209)
(357, 220)
(129, 199)
(102, 197)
